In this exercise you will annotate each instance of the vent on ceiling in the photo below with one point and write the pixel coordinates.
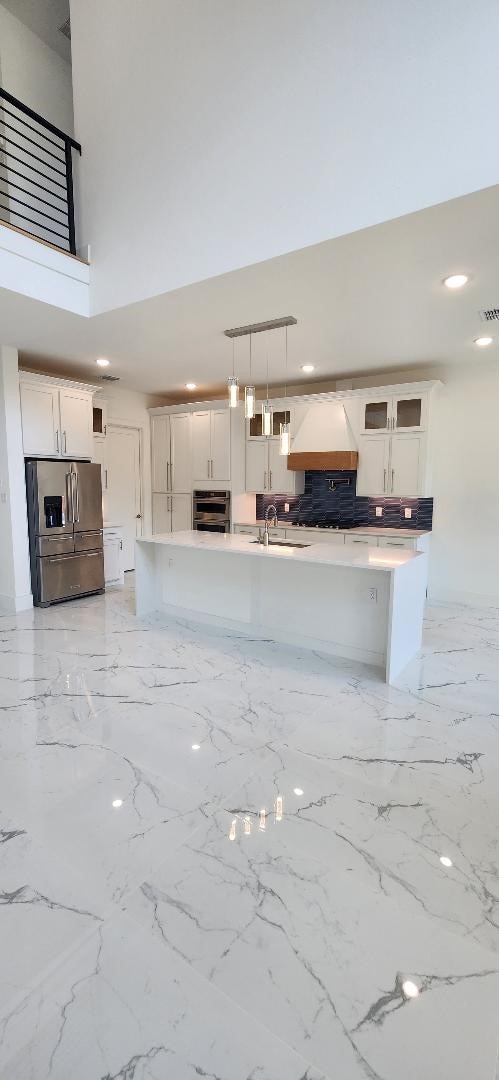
(66, 29)
(489, 314)
(109, 378)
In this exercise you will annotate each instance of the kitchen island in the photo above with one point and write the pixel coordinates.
(364, 605)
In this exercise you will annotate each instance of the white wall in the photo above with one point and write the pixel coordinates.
(217, 134)
(34, 73)
(15, 582)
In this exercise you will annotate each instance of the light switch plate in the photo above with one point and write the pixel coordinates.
(407, 512)
(379, 511)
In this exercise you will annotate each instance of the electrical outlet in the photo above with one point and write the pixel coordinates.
(379, 511)
(408, 512)
(170, 562)
(286, 508)
(373, 594)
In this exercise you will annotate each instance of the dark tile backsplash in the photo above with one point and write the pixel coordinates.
(343, 506)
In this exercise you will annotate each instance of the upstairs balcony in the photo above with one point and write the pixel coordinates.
(36, 175)
(38, 239)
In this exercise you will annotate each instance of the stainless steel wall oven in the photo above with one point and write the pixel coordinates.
(211, 511)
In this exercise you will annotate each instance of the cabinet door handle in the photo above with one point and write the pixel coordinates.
(105, 482)
(270, 479)
(65, 442)
(57, 441)
(168, 476)
(265, 481)
(212, 469)
(208, 468)
(393, 478)
(384, 480)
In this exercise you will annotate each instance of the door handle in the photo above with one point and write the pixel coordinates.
(168, 476)
(69, 497)
(265, 481)
(270, 480)
(138, 515)
(57, 440)
(393, 479)
(76, 499)
(80, 555)
(105, 483)
(208, 468)
(65, 442)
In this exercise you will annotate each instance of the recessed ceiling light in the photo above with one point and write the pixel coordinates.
(191, 386)
(307, 368)
(409, 989)
(196, 746)
(117, 803)
(102, 362)
(444, 859)
(456, 281)
(482, 342)
(297, 791)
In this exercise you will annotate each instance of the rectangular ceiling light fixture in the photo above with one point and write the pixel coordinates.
(259, 327)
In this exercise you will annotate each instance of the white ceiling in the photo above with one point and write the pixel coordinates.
(370, 301)
(44, 17)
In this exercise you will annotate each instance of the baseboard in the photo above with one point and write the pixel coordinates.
(14, 604)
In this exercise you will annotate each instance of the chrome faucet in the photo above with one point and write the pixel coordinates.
(263, 534)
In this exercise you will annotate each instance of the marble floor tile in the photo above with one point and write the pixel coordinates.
(250, 909)
(125, 1006)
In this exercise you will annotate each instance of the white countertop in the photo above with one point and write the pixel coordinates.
(365, 558)
(376, 530)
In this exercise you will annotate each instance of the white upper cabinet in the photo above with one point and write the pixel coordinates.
(220, 444)
(171, 452)
(76, 423)
(393, 465)
(267, 471)
(180, 459)
(405, 412)
(211, 445)
(201, 446)
(40, 419)
(374, 461)
(56, 418)
(407, 465)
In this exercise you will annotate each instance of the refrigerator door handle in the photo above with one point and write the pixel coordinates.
(77, 498)
(69, 497)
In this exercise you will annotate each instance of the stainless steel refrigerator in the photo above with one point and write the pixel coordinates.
(65, 529)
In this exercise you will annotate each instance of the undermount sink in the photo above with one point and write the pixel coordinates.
(282, 543)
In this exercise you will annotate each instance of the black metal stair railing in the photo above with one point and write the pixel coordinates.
(36, 174)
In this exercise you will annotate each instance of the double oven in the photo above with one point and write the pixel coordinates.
(211, 511)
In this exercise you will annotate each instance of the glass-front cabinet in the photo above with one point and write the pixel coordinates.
(406, 412)
(254, 428)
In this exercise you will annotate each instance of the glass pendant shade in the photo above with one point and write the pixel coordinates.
(233, 386)
(284, 440)
(249, 402)
(267, 417)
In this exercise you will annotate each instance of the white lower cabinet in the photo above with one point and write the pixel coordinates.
(316, 536)
(171, 513)
(267, 471)
(392, 465)
(113, 561)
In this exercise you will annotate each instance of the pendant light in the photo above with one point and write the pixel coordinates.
(285, 432)
(267, 410)
(232, 383)
(249, 391)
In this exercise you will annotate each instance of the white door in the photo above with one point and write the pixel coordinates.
(372, 475)
(76, 423)
(40, 420)
(201, 446)
(220, 444)
(180, 428)
(161, 513)
(160, 452)
(124, 487)
(406, 466)
(181, 512)
(257, 461)
(112, 561)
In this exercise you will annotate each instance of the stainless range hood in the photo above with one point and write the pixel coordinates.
(324, 441)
